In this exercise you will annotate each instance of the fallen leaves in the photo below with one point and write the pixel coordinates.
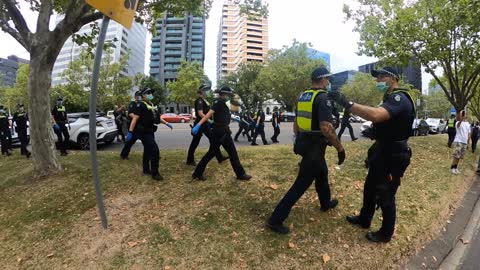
(325, 258)
(273, 186)
(132, 244)
(291, 245)
(50, 255)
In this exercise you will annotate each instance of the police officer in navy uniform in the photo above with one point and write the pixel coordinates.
(244, 126)
(20, 118)
(144, 123)
(451, 130)
(221, 136)
(276, 125)
(60, 122)
(131, 112)
(260, 128)
(202, 106)
(390, 156)
(314, 131)
(5, 133)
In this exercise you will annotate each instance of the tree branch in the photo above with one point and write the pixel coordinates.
(18, 21)
(44, 15)
(91, 18)
(14, 33)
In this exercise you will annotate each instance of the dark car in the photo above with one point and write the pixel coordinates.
(287, 117)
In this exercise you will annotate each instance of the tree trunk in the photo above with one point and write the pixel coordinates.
(45, 161)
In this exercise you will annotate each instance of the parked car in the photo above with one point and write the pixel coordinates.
(79, 129)
(287, 117)
(174, 118)
(186, 115)
(110, 115)
(15, 139)
(367, 129)
(436, 125)
(420, 127)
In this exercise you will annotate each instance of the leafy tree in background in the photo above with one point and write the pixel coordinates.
(362, 89)
(45, 44)
(11, 96)
(439, 34)
(435, 105)
(159, 96)
(189, 78)
(287, 73)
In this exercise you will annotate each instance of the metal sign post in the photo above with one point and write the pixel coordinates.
(93, 120)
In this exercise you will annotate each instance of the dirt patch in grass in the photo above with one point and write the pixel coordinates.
(219, 223)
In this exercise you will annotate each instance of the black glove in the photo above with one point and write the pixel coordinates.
(340, 99)
(341, 157)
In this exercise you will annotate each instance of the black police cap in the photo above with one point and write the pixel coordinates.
(138, 93)
(225, 90)
(204, 87)
(147, 90)
(320, 72)
(386, 71)
(59, 99)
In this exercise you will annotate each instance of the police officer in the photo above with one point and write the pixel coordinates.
(202, 106)
(346, 124)
(314, 130)
(451, 129)
(5, 133)
(21, 118)
(244, 126)
(60, 121)
(390, 156)
(276, 125)
(221, 136)
(131, 112)
(251, 118)
(259, 128)
(144, 123)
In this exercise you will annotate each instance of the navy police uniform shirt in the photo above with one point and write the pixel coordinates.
(59, 116)
(402, 114)
(201, 105)
(146, 121)
(261, 115)
(4, 121)
(275, 118)
(222, 113)
(322, 110)
(20, 119)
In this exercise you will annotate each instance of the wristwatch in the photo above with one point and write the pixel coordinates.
(349, 104)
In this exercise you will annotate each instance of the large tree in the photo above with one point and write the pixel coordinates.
(442, 35)
(44, 45)
(287, 73)
(244, 82)
(189, 78)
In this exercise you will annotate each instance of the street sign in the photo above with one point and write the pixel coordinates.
(453, 111)
(121, 11)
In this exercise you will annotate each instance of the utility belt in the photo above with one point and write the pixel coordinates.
(222, 127)
(308, 143)
(395, 155)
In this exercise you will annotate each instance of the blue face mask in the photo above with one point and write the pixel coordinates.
(149, 97)
(382, 87)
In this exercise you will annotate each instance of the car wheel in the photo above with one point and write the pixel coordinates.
(83, 142)
(182, 121)
(109, 142)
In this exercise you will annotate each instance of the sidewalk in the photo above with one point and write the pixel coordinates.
(458, 247)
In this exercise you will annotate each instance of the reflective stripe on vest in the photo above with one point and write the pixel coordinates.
(305, 109)
(61, 109)
(149, 106)
(2, 116)
(451, 123)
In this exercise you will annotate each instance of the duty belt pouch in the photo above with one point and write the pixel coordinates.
(399, 159)
(301, 144)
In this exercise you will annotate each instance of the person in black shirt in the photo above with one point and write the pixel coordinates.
(5, 134)
(131, 112)
(60, 121)
(244, 126)
(202, 106)
(474, 135)
(390, 156)
(346, 124)
(144, 124)
(259, 128)
(276, 125)
(20, 118)
(221, 136)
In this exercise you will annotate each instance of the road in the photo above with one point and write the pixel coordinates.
(179, 137)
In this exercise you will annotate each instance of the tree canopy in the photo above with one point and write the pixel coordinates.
(189, 78)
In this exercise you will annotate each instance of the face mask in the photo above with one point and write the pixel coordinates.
(149, 97)
(329, 87)
(382, 86)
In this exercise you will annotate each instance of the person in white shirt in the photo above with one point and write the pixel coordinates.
(461, 142)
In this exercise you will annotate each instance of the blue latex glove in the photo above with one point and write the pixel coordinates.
(195, 129)
(56, 127)
(236, 120)
(169, 125)
(129, 136)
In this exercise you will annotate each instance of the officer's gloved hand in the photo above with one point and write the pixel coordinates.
(56, 127)
(341, 157)
(195, 129)
(339, 98)
(129, 136)
(169, 125)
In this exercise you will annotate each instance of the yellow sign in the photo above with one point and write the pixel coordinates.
(121, 11)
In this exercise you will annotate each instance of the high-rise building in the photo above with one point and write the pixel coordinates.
(241, 39)
(315, 55)
(339, 79)
(8, 69)
(124, 41)
(411, 74)
(177, 39)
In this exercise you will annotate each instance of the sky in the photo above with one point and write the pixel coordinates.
(319, 22)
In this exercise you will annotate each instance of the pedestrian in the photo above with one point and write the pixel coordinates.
(5, 133)
(144, 124)
(390, 156)
(474, 136)
(313, 129)
(252, 116)
(221, 136)
(451, 129)
(461, 141)
(259, 128)
(346, 124)
(276, 125)
(131, 112)
(20, 118)
(202, 106)
(118, 116)
(244, 127)
(60, 122)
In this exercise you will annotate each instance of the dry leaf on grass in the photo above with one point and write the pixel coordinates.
(50, 255)
(132, 244)
(325, 258)
(291, 245)
(273, 186)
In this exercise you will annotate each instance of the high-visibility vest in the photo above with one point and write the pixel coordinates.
(305, 109)
(451, 123)
(2, 116)
(61, 109)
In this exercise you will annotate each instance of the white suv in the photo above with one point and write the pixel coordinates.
(78, 129)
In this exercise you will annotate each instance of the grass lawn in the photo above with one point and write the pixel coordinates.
(219, 223)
